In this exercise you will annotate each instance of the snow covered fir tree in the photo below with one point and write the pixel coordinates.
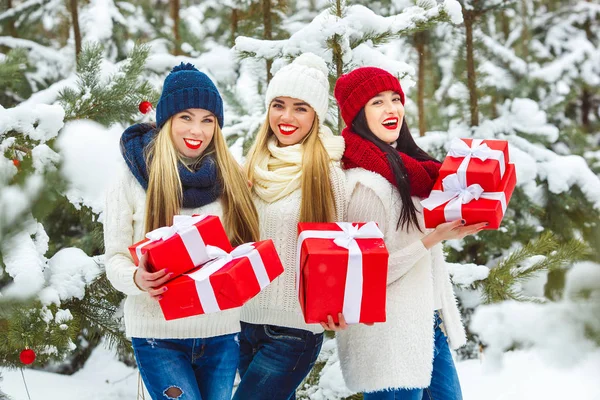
(73, 76)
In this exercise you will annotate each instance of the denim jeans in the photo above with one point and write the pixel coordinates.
(191, 369)
(274, 360)
(444, 379)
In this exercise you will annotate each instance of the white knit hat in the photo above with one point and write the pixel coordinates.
(306, 78)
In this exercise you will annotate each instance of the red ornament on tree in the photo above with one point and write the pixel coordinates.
(16, 163)
(27, 356)
(145, 107)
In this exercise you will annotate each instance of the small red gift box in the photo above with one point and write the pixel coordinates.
(182, 246)
(483, 161)
(341, 267)
(452, 199)
(229, 281)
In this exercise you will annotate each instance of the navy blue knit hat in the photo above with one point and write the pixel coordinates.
(186, 87)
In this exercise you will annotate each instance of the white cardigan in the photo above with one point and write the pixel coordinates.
(123, 226)
(399, 352)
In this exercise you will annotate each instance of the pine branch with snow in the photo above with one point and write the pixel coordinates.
(543, 254)
(115, 99)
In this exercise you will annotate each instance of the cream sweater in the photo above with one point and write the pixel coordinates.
(399, 352)
(278, 303)
(123, 226)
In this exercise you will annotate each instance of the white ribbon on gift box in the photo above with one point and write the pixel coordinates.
(478, 149)
(345, 238)
(206, 293)
(456, 193)
(184, 226)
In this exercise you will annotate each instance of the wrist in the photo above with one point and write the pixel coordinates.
(135, 282)
(430, 240)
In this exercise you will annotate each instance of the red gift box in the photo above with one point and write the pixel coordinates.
(452, 199)
(341, 267)
(484, 161)
(229, 281)
(182, 246)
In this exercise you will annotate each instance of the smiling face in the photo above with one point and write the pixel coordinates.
(192, 131)
(385, 113)
(290, 119)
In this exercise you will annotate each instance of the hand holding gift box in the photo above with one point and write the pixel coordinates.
(483, 161)
(229, 281)
(341, 267)
(182, 246)
(451, 199)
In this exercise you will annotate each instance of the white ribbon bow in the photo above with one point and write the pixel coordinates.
(456, 193)
(206, 293)
(184, 226)
(478, 149)
(345, 238)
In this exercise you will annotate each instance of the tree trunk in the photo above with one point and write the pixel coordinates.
(505, 24)
(525, 32)
(234, 25)
(268, 32)
(338, 61)
(469, 17)
(175, 18)
(586, 107)
(420, 42)
(12, 31)
(76, 31)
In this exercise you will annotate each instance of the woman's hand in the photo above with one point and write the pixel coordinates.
(151, 282)
(451, 230)
(332, 326)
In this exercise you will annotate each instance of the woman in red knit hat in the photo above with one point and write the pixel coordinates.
(407, 357)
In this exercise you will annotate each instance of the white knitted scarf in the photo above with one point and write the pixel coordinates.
(280, 172)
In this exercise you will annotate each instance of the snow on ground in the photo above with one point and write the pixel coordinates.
(525, 376)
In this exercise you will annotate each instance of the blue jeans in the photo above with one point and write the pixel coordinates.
(191, 369)
(444, 379)
(274, 360)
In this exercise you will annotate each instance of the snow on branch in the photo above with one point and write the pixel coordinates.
(16, 10)
(358, 25)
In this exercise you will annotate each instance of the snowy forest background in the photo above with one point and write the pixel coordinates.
(72, 74)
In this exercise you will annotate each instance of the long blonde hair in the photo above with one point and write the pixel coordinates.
(165, 193)
(317, 203)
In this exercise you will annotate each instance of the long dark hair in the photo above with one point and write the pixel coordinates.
(405, 144)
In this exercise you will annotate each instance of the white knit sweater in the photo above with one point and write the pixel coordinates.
(399, 352)
(278, 303)
(123, 226)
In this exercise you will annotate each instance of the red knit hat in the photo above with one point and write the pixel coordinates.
(354, 89)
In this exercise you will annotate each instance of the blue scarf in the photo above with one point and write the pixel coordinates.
(200, 187)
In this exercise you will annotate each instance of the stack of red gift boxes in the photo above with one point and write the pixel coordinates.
(475, 184)
(208, 275)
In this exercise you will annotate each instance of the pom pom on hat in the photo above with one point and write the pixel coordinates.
(306, 78)
(354, 89)
(186, 87)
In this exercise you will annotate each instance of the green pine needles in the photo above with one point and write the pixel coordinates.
(550, 255)
(110, 100)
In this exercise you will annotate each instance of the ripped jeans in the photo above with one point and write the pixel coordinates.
(188, 369)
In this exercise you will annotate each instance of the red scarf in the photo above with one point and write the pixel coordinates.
(361, 153)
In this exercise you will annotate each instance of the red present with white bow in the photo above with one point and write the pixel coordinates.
(451, 199)
(182, 246)
(341, 267)
(483, 161)
(229, 281)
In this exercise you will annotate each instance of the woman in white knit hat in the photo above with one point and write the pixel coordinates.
(296, 177)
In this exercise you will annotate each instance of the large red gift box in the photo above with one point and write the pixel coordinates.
(182, 246)
(229, 281)
(341, 267)
(484, 161)
(451, 199)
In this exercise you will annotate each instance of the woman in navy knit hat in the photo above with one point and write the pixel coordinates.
(408, 356)
(181, 166)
